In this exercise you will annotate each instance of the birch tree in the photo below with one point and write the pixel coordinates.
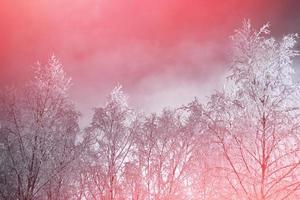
(111, 134)
(164, 150)
(255, 119)
(38, 129)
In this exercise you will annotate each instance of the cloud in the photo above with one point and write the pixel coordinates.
(162, 51)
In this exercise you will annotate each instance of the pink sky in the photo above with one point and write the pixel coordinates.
(164, 52)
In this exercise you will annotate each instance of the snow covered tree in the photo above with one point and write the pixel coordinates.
(204, 177)
(255, 120)
(164, 149)
(39, 125)
(111, 137)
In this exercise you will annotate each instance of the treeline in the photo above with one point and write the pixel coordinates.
(243, 144)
